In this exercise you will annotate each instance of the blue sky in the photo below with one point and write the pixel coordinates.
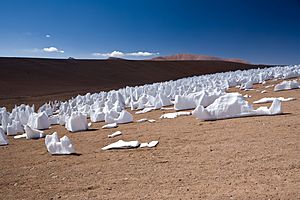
(257, 31)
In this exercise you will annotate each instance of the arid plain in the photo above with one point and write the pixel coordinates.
(241, 158)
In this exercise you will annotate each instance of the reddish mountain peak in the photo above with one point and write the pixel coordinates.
(196, 57)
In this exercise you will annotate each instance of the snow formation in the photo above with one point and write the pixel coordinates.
(3, 138)
(271, 99)
(59, 146)
(233, 105)
(121, 144)
(76, 122)
(201, 93)
(287, 85)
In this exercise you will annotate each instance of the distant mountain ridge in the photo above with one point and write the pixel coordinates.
(190, 57)
(115, 58)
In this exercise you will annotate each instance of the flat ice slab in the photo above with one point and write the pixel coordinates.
(121, 144)
(149, 145)
(145, 120)
(271, 99)
(142, 120)
(59, 146)
(112, 125)
(268, 86)
(117, 133)
(175, 114)
(171, 108)
(20, 136)
(145, 110)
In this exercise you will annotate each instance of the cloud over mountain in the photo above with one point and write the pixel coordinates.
(124, 54)
(52, 50)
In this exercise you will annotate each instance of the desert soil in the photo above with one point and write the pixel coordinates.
(242, 158)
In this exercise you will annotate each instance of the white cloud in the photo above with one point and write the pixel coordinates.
(140, 53)
(121, 54)
(47, 36)
(112, 54)
(52, 50)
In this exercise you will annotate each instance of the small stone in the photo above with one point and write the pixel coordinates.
(90, 187)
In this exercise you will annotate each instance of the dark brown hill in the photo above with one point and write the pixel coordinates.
(36, 80)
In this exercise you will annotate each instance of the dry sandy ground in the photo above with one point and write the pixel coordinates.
(242, 158)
